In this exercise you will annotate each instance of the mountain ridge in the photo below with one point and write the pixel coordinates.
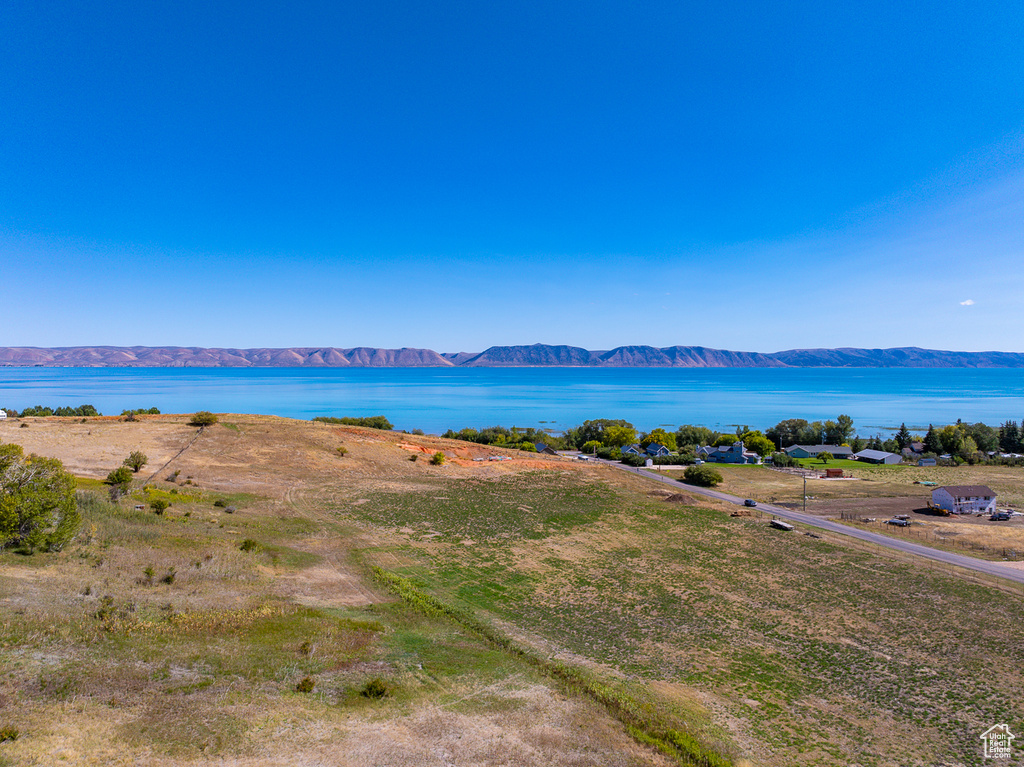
(535, 355)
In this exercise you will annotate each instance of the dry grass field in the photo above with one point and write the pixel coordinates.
(545, 612)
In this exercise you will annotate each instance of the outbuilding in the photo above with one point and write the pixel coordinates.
(877, 456)
(3, 414)
(813, 451)
(965, 499)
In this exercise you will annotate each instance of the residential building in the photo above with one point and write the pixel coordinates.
(877, 456)
(734, 453)
(965, 499)
(812, 451)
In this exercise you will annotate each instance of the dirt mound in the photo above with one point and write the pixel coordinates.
(680, 498)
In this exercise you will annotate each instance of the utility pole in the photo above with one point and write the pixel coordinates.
(805, 493)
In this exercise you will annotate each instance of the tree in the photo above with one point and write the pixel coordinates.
(527, 446)
(593, 431)
(838, 431)
(985, 437)
(438, 459)
(903, 438)
(698, 436)
(136, 460)
(824, 456)
(725, 440)
(618, 436)
(1009, 437)
(701, 476)
(203, 418)
(590, 447)
(932, 444)
(37, 502)
(788, 432)
(660, 437)
(756, 442)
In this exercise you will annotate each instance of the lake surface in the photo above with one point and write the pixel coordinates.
(435, 399)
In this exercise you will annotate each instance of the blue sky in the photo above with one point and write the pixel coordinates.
(755, 176)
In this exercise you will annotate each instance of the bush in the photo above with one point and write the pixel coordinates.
(249, 545)
(203, 418)
(306, 685)
(590, 447)
(783, 460)
(37, 502)
(8, 733)
(375, 688)
(527, 447)
(372, 422)
(122, 475)
(159, 506)
(220, 503)
(438, 459)
(701, 476)
(675, 460)
(609, 453)
(341, 451)
(636, 461)
(136, 461)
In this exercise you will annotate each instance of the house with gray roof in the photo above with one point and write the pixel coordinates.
(657, 451)
(877, 456)
(734, 453)
(965, 499)
(812, 451)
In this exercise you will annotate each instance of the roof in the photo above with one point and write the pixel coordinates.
(963, 491)
(877, 455)
(815, 449)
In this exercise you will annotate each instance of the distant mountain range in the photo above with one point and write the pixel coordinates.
(537, 355)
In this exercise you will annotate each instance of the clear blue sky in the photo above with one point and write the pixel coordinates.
(756, 176)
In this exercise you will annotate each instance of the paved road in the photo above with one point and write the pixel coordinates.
(989, 568)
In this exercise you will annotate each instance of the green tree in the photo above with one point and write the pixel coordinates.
(593, 431)
(590, 447)
(824, 456)
(903, 437)
(697, 436)
(702, 476)
(725, 440)
(932, 443)
(37, 502)
(661, 437)
(527, 446)
(136, 460)
(438, 459)
(756, 442)
(203, 418)
(618, 436)
(788, 432)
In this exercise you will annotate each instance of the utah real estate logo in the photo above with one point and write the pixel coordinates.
(997, 741)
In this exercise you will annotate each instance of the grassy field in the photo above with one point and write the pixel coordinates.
(553, 613)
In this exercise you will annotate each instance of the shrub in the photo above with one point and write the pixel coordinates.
(149, 572)
(438, 459)
(527, 447)
(375, 688)
(373, 421)
(306, 685)
(37, 502)
(783, 459)
(159, 505)
(230, 509)
(249, 545)
(220, 503)
(701, 476)
(203, 418)
(136, 460)
(635, 461)
(8, 733)
(122, 475)
(590, 447)
(341, 451)
(609, 453)
(169, 578)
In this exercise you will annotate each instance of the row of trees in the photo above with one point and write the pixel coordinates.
(41, 411)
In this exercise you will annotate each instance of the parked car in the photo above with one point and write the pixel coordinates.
(898, 522)
(1000, 516)
(750, 502)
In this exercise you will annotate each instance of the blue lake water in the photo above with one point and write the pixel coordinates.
(435, 399)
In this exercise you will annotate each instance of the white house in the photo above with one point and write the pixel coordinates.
(3, 414)
(964, 499)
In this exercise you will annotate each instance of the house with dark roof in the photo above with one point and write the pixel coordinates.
(812, 451)
(734, 453)
(657, 451)
(965, 499)
(542, 448)
(877, 456)
(632, 450)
